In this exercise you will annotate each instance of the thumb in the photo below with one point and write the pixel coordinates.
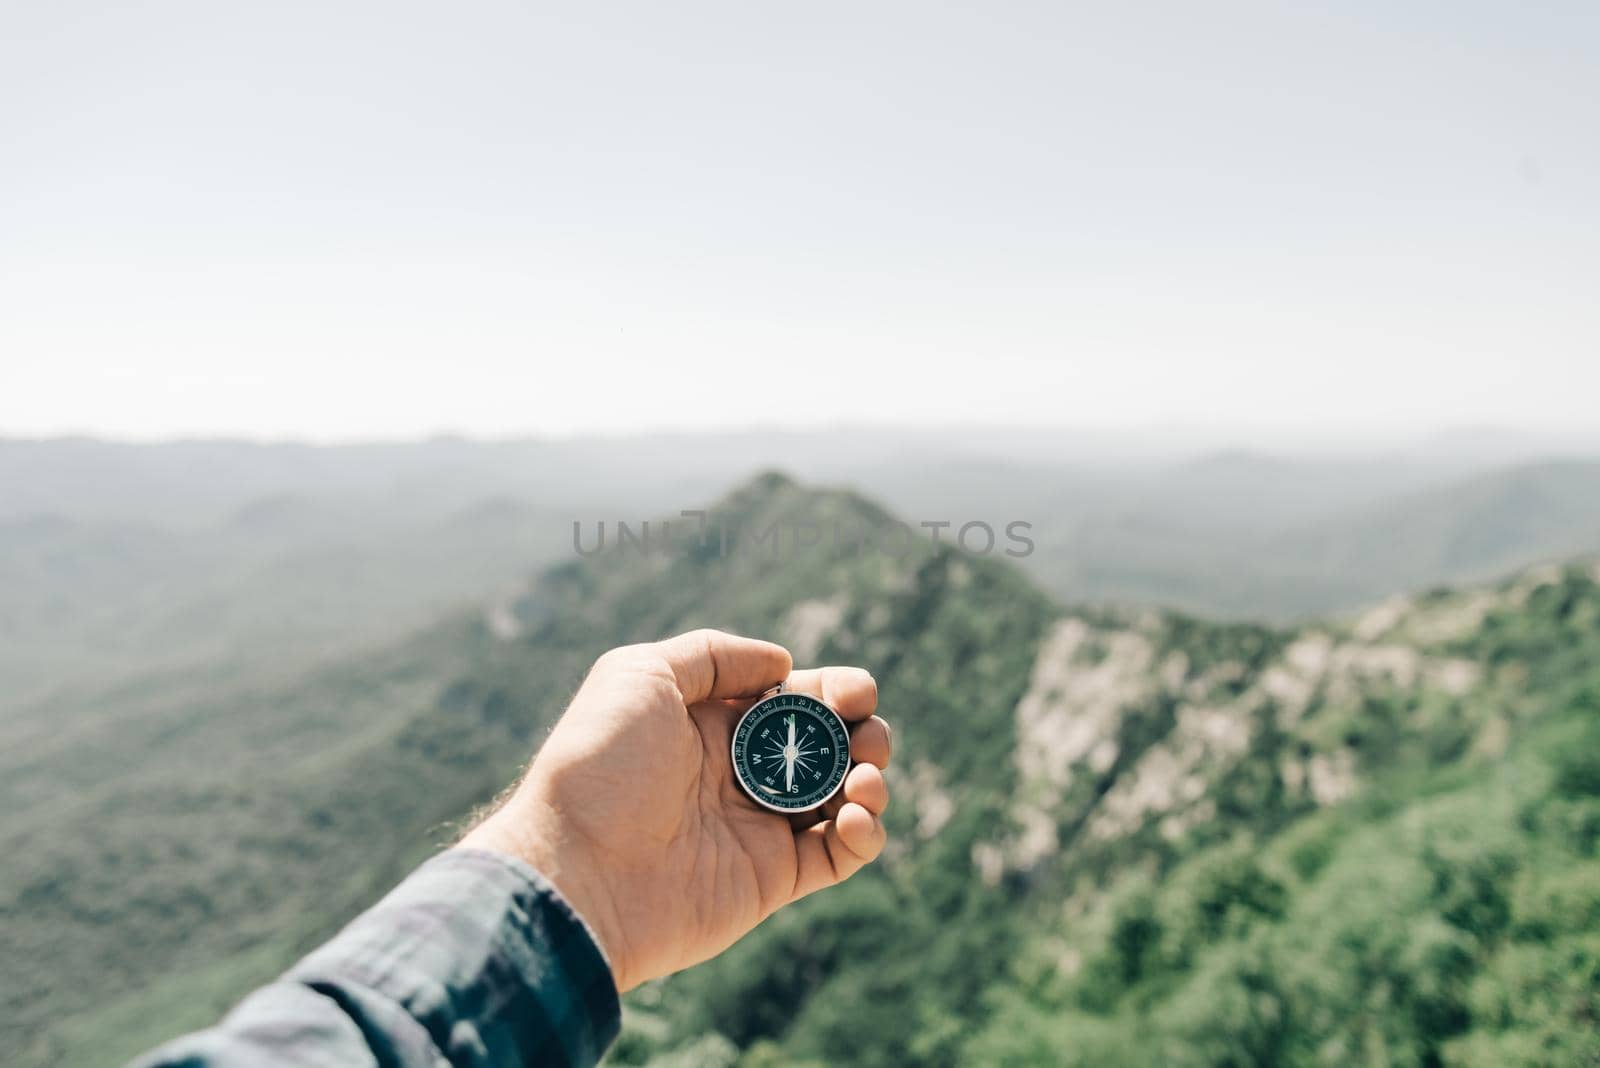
(712, 663)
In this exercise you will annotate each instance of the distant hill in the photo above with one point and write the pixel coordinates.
(1468, 530)
(1290, 568)
(1120, 836)
(1234, 534)
(278, 585)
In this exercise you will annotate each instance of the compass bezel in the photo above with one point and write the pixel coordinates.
(778, 701)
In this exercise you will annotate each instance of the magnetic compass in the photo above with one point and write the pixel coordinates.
(791, 752)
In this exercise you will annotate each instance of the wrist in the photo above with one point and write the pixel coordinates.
(542, 850)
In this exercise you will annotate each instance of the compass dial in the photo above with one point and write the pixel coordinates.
(791, 752)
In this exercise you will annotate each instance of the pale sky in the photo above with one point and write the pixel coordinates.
(343, 220)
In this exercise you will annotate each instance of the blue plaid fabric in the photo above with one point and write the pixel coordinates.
(473, 960)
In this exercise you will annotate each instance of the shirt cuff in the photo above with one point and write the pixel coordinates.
(487, 957)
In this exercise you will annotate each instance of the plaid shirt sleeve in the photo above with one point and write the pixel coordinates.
(474, 960)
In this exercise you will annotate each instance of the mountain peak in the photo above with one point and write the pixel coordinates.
(765, 484)
(774, 494)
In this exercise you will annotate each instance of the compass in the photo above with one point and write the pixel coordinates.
(791, 752)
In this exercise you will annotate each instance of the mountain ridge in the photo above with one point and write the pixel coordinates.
(1063, 778)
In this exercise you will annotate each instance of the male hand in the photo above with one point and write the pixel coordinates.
(632, 811)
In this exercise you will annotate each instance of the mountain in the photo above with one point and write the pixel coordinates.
(1469, 530)
(1264, 550)
(412, 526)
(1119, 836)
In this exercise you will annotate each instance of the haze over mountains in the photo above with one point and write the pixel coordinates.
(186, 564)
(1121, 835)
(151, 554)
(189, 481)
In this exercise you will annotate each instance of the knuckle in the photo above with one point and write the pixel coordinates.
(700, 637)
(617, 658)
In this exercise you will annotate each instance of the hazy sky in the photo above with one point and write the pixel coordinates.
(342, 219)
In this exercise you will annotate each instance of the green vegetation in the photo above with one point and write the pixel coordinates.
(1117, 838)
(1446, 912)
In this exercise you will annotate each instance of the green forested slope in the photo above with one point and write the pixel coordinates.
(1128, 838)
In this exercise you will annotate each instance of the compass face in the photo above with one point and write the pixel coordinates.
(791, 752)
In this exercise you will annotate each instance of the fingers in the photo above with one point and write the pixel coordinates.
(861, 832)
(871, 742)
(851, 691)
(835, 849)
(711, 663)
(864, 786)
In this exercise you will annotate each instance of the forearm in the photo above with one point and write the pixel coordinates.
(474, 960)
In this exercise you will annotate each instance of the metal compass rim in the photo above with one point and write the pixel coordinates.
(771, 697)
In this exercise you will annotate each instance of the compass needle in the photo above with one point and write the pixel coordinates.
(810, 739)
